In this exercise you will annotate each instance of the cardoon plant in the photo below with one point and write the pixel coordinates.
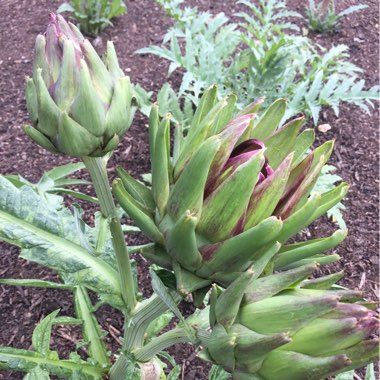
(222, 206)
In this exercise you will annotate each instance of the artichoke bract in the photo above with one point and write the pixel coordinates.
(267, 328)
(79, 105)
(231, 194)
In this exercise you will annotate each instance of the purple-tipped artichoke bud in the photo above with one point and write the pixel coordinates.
(247, 186)
(79, 105)
(270, 323)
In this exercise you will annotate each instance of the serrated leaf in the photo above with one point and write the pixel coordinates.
(49, 237)
(218, 373)
(24, 360)
(53, 181)
(79, 375)
(370, 372)
(326, 181)
(91, 329)
(346, 375)
(67, 321)
(274, 62)
(156, 326)
(160, 289)
(62, 171)
(34, 283)
(42, 334)
(37, 373)
(18, 180)
(81, 229)
(174, 373)
(352, 9)
(65, 7)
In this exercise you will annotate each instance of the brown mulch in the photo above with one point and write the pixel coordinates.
(356, 156)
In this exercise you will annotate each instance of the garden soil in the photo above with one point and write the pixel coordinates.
(356, 157)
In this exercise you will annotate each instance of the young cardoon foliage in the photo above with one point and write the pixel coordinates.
(267, 328)
(79, 105)
(232, 194)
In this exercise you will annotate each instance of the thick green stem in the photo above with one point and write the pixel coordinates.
(120, 368)
(145, 313)
(102, 235)
(98, 172)
(170, 338)
(204, 337)
(124, 264)
(158, 344)
(147, 371)
(135, 327)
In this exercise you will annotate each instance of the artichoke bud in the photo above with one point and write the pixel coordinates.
(183, 234)
(31, 99)
(321, 333)
(239, 179)
(227, 306)
(161, 166)
(79, 105)
(221, 348)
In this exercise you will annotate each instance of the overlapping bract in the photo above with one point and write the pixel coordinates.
(79, 105)
(267, 328)
(231, 193)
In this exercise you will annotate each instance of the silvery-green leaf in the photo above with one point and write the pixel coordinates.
(91, 329)
(42, 334)
(218, 373)
(370, 372)
(156, 326)
(65, 320)
(65, 7)
(49, 237)
(62, 171)
(160, 289)
(174, 373)
(73, 193)
(326, 181)
(345, 376)
(81, 229)
(34, 283)
(37, 373)
(24, 360)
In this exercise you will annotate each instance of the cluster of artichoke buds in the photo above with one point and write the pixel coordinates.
(267, 328)
(231, 194)
(79, 105)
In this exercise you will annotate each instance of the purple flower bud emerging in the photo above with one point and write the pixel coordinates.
(245, 151)
(240, 155)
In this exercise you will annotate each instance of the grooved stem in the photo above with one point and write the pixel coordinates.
(158, 344)
(120, 368)
(98, 172)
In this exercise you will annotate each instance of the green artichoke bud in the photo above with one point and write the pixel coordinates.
(79, 105)
(268, 329)
(230, 195)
